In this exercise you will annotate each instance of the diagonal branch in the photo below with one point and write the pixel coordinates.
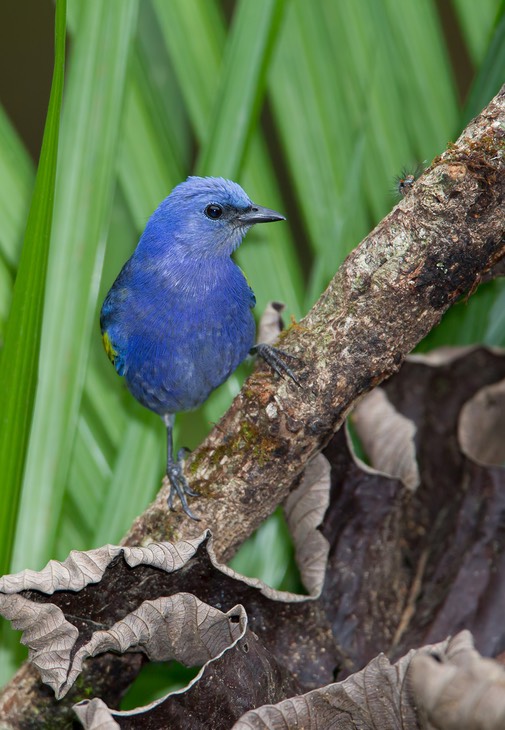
(435, 245)
(387, 295)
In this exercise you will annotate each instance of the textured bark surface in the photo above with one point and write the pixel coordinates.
(434, 246)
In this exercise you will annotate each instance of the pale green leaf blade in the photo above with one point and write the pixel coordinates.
(195, 35)
(136, 469)
(243, 79)
(90, 123)
(491, 74)
(366, 109)
(476, 21)
(16, 184)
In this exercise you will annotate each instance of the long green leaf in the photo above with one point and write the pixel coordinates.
(17, 178)
(195, 35)
(16, 184)
(19, 362)
(480, 319)
(84, 194)
(491, 73)
(251, 42)
(109, 481)
(136, 455)
(476, 21)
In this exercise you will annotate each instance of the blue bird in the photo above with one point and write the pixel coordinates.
(178, 319)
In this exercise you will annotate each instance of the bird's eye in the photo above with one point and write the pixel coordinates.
(213, 211)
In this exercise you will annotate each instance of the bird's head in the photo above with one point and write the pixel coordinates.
(204, 216)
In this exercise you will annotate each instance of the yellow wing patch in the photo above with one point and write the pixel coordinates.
(109, 349)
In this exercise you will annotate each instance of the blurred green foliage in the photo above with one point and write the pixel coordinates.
(313, 108)
(21, 347)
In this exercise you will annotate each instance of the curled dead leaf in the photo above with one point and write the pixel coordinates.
(305, 509)
(378, 696)
(457, 689)
(388, 438)
(271, 323)
(238, 677)
(52, 638)
(481, 428)
(77, 609)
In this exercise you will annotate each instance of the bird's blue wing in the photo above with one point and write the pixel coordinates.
(253, 298)
(112, 353)
(111, 318)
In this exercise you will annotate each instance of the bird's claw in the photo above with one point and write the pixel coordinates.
(179, 486)
(275, 358)
(181, 455)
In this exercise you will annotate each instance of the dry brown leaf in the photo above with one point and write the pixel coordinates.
(271, 324)
(387, 437)
(95, 715)
(457, 689)
(243, 675)
(376, 697)
(482, 426)
(51, 638)
(305, 509)
(447, 686)
(456, 541)
(367, 581)
(63, 631)
(408, 568)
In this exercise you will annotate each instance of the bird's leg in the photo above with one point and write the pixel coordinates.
(276, 359)
(178, 482)
(181, 454)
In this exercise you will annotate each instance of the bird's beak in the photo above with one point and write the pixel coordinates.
(258, 214)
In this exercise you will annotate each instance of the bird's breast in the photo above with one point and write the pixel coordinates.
(186, 340)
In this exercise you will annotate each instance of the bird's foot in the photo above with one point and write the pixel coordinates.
(181, 455)
(179, 486)
(276, 359)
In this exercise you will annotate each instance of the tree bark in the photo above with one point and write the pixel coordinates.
(434, 246)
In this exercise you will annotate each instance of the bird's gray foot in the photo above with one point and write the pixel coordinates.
(181, 455)
(276, 359)
(179, 486)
